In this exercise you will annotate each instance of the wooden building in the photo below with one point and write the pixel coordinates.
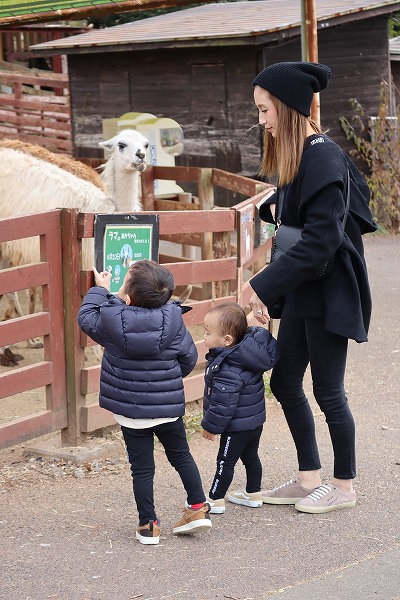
(394, 48)
(197, 65)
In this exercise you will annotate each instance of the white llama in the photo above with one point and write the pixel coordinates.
(33, 180)
(121, 172)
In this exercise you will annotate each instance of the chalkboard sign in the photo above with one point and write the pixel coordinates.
(122, 239)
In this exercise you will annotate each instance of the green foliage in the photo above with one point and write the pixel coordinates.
(192, 422)
(394, 25)
(266, 378)
(128, 17)
(377, 142)
(137, 15)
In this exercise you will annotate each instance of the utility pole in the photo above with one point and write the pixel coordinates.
(309, 45)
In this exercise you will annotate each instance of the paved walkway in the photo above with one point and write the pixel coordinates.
(71, 538)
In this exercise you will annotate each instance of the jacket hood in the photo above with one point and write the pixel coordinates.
(313, 177)
(256, 352)
(162, 326)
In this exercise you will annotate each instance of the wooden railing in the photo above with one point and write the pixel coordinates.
(227, 275)
(48, 373)
(233, 248)
(32, 110)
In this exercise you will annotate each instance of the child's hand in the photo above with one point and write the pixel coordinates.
(207, 435)
(103, 278)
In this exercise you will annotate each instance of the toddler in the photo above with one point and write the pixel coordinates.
(234, 402)
(147, 352)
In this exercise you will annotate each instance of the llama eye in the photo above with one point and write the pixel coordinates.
(121, 145)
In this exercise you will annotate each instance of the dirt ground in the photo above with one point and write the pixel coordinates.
(68, 533)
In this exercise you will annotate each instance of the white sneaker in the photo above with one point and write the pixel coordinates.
(217, 506)
(254, 500)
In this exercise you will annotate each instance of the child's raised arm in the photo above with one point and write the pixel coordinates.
(103, 278)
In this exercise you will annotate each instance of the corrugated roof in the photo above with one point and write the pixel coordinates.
(20, 12)
(220, 21)
(394, 45)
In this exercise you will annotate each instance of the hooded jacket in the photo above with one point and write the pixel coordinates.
(234, 394)
(146, 354)
(315, 201)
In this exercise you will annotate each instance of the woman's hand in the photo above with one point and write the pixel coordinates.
(103, 278)
(207, 435)
(259, 309)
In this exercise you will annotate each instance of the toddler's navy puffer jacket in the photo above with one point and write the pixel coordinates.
(234, 394)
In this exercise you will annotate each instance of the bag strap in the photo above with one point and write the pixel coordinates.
(347, 208)
(281, 194)
(279, 205)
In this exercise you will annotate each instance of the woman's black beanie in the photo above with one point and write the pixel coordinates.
(294, 83)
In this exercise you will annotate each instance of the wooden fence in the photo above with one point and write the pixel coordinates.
(36, 109)
(48, 373)
(236, 249)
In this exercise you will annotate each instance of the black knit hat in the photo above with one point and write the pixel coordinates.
(294, 83)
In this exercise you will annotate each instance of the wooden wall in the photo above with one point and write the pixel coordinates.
(209, 92)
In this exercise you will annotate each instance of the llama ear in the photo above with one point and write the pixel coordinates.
(108, 145)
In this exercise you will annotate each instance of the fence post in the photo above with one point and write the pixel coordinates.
(74, 354)
(147, 182)
(206, 202)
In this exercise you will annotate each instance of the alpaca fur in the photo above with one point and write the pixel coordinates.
(60, 160)
(34, 180)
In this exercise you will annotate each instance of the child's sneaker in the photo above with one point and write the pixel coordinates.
(217, 507)
(288, 493)
(193, 521)
(254, 500)
(149, 533)
(326, 498)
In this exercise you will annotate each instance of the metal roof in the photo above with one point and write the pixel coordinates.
(228, 21)
(394, 47)
(21, 12)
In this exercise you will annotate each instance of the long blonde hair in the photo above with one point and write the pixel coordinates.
(282, 154)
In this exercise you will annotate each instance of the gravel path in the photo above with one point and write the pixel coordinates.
(68, 534)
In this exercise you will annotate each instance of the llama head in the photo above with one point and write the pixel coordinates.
(128, 148)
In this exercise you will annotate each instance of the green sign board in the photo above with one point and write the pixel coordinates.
(120, 240)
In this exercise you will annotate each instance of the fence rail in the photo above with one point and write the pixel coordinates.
(232, 248)
(49, 372)
(36, 109)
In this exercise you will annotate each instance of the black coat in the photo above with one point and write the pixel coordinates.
(315, 201)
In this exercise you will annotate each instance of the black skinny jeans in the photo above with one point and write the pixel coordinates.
(232, 446)
(140, 447)
(302, 341)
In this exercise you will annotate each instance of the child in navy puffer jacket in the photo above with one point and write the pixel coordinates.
(234, 400)
(147, 351)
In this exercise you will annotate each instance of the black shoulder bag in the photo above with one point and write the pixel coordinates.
(287, 235)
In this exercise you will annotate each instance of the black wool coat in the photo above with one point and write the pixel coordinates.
(316, 202)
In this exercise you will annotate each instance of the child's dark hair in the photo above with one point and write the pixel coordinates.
(150, 285)
(231, 320)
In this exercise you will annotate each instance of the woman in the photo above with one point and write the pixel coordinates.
(318, 317)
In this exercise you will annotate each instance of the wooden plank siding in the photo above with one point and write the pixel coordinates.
(208, 91)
